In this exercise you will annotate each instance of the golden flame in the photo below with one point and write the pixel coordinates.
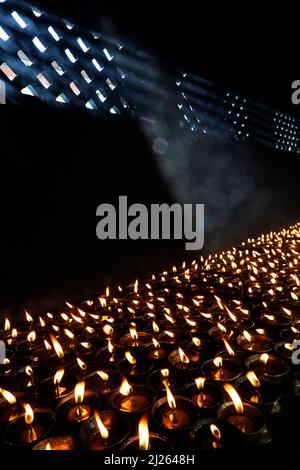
(196, 341)
(229, 348)
(102, 429)
(200, 381)
(47, 345)
(289, 346)
(110, 346)
(48, 446)
(144, 433)
(247, 335)
(221, 327)
(79, 392)
(218, 361)
(57, 347)
(81, 364)
(14, 333)
(133, 333)
(264, 358)
(235, 398)
(29, 415)
(69, 333)
(130, 358)
(103, 375)
(28, 370)
(58, 376)
(28, 317)
(215, 431)
(31, 337)
(125, 388)
(169, 333)
(136, 286)
(155, 327)
(155, 343)
(170, 397)
(7, 324)
(42, 322)
(251, 376)
(8, 396)
(183, 356)
(165, 372)
(108, 330)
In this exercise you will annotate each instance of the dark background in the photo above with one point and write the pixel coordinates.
(59, 164)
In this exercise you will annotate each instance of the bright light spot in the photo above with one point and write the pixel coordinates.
(110, 84)
(85, 76)
(43, 80)
(97, 65)
(24, 58)
(69, 25)
(8, 71)
(107, 55)
(83, 46)
(18, 19)
(3, 35)
(70, 56)
(36, 12)
(114, 110)
(96, 35)
(90, 105)
(62, 98)
(53, 33)
(38, 44)
(57, 68)
(75, 88)
(100, 95)
(29, 90)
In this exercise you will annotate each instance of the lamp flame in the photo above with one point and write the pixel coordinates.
(79, 392)
(183, 357)
(102, 429)
(200, 381)
(251, 376)
(58, 376)
(218, 361)
(215, 431)
(125, 388)
(29, 415)
(8, 396)
(235, 398)
(103, 375)
(57, 347)
(264, 358)
(130, 358)
(144, 433)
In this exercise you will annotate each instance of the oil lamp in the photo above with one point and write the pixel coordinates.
(10, 409)
(254, 343)
(260, 393)
(135, 367)
(174, 413)
(221, 369)
(77, 406)
(104, 430)
(204, 393)
(135, 339)
(103, 382)
(157, 351)
(209, 434)
(181, 362)
(160, 376)
(133, 398)
(268, 367)
(248, 419)
(30, 427)
(145, 440)
(55, 387)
